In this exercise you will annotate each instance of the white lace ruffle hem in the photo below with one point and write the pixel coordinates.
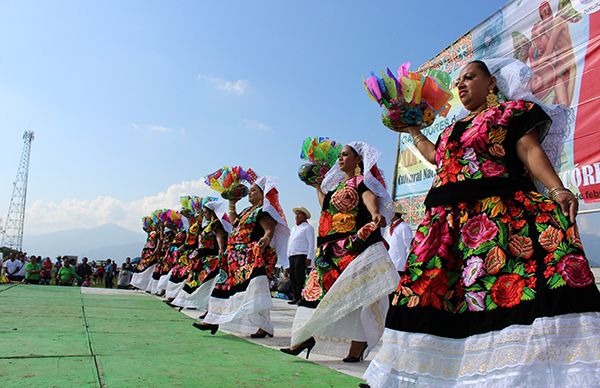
(249, 310)
(354, 308)
(560, 351)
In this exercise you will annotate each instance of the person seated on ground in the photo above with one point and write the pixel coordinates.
(125, 274)
(66, 274)
(21, 274)
(32, 271)
(12, 266)
(285, 284)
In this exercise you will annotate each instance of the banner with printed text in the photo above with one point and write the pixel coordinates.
(560, 41)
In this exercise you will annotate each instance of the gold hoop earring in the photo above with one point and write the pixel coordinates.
(491, 100)
(357, 170)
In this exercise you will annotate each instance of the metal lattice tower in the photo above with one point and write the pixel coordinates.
(13, 228)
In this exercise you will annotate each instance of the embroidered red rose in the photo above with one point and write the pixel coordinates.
(575, 270)
(329, 278)
(343, 263)
(312, 291)
(520, 246)
(550, 238)
(547, 206)
(436, 241)
(431, 286)
(542, 218)
(478, 230)
(364, 232)
(325, 223)
(508, 290)
(494, 260)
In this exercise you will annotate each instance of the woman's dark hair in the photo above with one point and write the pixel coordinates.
(482, 66)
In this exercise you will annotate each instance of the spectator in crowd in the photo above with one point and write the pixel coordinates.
(99, 275)
(66, 274)
(33, 270)
(57, 267)
(46, 274)
(84, 271)
(284, 285)
(21, 274)
(301, 247)
(399, 236)
(12, 266)
(125, 274)
(109, 273)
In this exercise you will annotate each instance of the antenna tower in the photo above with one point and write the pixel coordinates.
(13, 228)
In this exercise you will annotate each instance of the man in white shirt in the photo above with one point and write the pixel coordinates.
(301, 246)
(399, 236)
(12, 266)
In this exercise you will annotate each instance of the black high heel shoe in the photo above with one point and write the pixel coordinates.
(360, 357)
(308, 345)
(261, 334)
(206, 326)
(203, 315)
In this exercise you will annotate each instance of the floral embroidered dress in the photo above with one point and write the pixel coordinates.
(205, 259)
(243, 260)
(492, 255)
(170, 257)
(186, 255)
(149, 253)
(345, 230)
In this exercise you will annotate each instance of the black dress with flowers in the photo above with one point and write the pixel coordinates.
(204, 259)
(491, 252)
(164, 265)
(345, 230)
(183, 265)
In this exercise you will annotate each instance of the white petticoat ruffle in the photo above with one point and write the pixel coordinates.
(197, 299)
(248, 310)
(560, 351)
(161, 284)
(173, 289)
(354, 308)
(140, 280)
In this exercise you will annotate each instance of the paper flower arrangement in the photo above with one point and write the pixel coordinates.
(192, 205)
(147, 222)
(321, 153)
(410, 98)
(229, 182)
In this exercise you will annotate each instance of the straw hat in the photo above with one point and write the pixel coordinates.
(398, 208)
(303, 210)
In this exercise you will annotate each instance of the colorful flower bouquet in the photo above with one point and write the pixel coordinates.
(411, 98)
(321, 153)
(229, 182)
(192, 205)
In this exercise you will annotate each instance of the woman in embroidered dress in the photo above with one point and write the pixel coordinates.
(181, 268)
(160, 277)
(205, 259)
(345, 298)
(241, 292)
(497, 290)
(143, 270)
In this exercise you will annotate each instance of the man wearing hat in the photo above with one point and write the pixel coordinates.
(399, 236)
(301, 246)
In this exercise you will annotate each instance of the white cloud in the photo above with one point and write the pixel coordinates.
(253, 124)
(46, 217)
(159, 129)
(238, 87)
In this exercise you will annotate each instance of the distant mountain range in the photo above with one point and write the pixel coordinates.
(107, 241)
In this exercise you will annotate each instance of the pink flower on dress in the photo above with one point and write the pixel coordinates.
(475, 300)
(509, 107)
(478, 230)
(473, 270)
(476, 136)
(491, 169)
(575, 270)
(437, 238)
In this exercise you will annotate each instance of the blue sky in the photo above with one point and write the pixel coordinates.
(128, 99)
